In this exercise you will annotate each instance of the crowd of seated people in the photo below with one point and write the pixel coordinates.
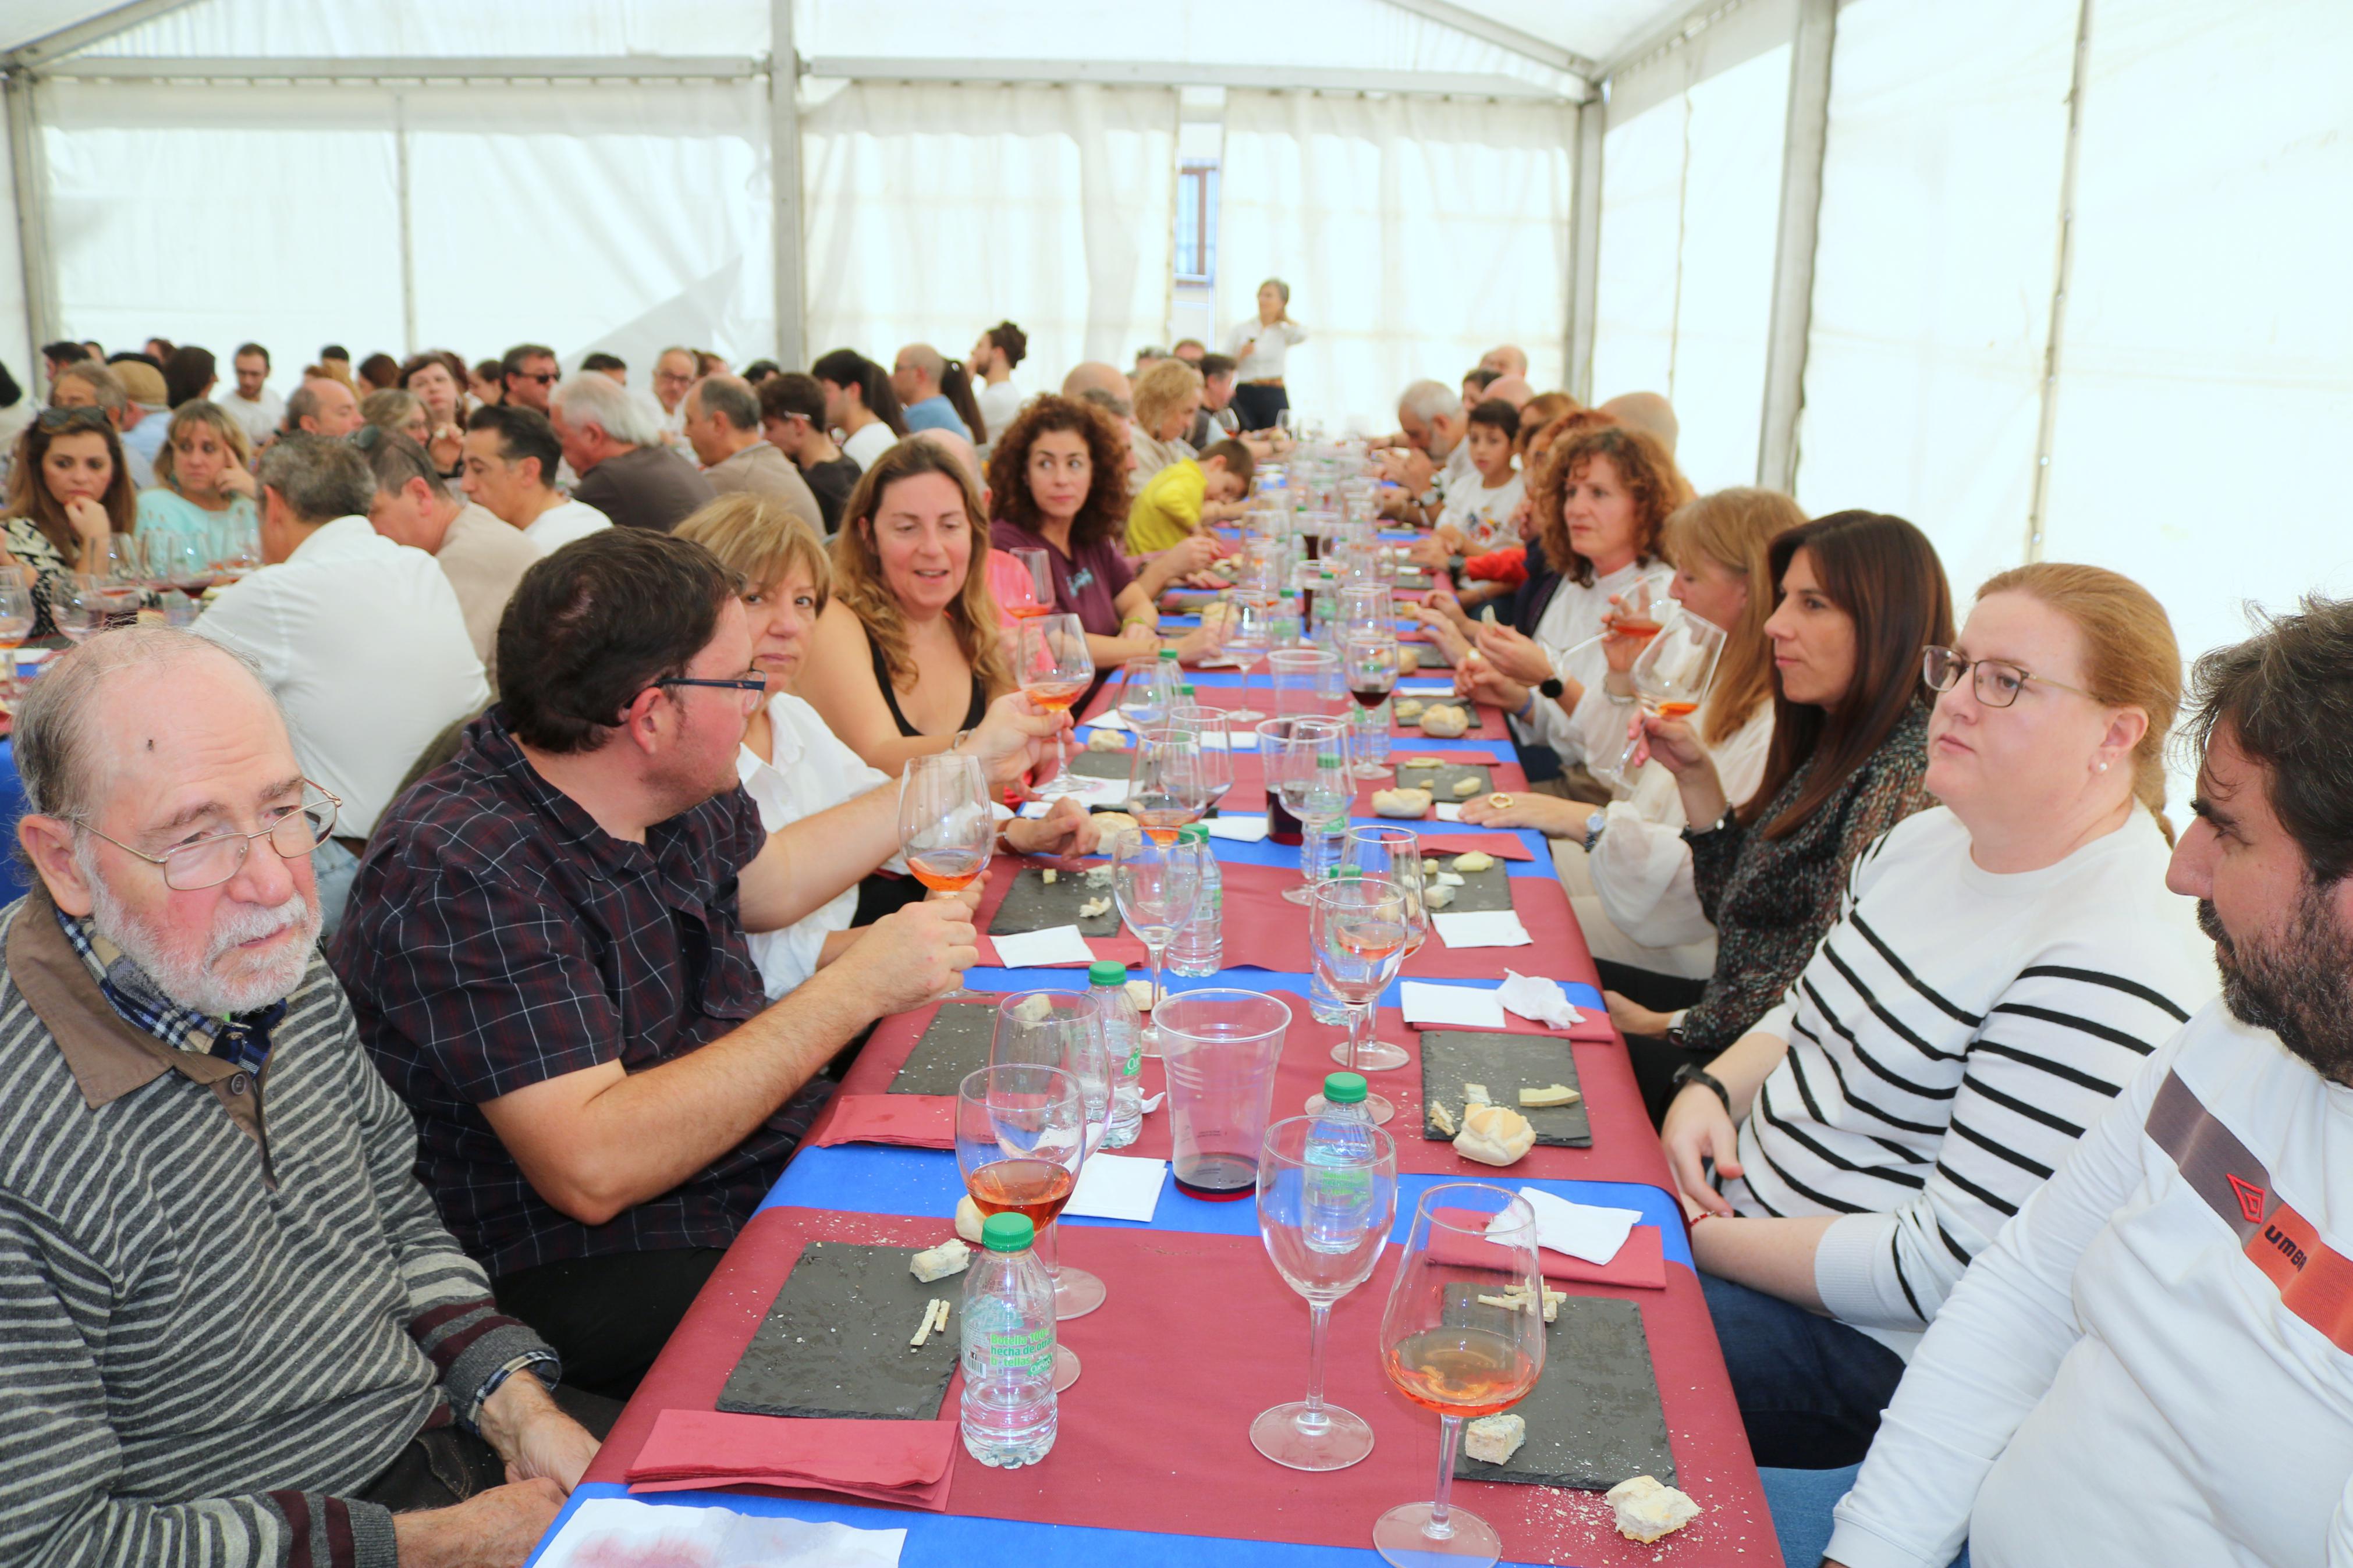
(544, 853)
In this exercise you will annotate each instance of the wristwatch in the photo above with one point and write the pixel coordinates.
(1691, 1072)
(1551, 686)
(1593, 826)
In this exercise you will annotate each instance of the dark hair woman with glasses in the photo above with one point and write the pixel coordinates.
(69, 493)
(1860, 596)
(2003, 962)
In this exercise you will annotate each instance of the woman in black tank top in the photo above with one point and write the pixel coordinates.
(974, 711)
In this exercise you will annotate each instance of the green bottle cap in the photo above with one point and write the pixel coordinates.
(1328, 759)
(1193, 833)
(1167, 653)
(1007, 1231)
(1185, 690)
(1343, 1089)
(1290, 593)
(1106, 972)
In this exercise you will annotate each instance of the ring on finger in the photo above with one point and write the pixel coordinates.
(1500, 800)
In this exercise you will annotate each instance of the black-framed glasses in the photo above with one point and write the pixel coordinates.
(210, 862)
(1996, 681)
(82, 417)
(753, 687)
(540, 376)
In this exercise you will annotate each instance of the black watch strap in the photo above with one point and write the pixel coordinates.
(1551, 686)
(1691, 1073)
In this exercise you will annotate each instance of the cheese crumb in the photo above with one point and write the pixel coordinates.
(1551, 1094)
(1441, 1118)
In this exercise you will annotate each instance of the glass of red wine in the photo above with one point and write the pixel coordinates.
(1463, 1334)
(1022, 1132)
(1368, 662)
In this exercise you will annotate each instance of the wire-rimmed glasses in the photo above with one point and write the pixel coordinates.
(1995, 682)
(208, 862)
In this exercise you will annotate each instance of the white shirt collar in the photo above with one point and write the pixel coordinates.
(343, 537)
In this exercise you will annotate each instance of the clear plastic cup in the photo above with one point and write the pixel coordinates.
(1221, 1048)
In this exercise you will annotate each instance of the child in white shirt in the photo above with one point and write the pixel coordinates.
(1481, 515)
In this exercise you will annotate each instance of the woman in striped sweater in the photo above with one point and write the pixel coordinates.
(2002, 963)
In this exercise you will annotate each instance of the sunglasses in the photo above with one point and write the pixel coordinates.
(74, 419)
(540, 376)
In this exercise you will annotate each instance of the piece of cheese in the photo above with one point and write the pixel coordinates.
(1493, 1135)
(1476, 860)
(1493, 1440)
(1034, 1009)
(1487, 614)
(1410, 708)
(1429, 867)
(1476, 1094)
(1048, 876)
(1405, 802)
(1106, 741)
(969, 1220)
(1094, 907)
(1466, 786)
(1437, 898)
(1140, 993)
(1551, 1094)
(939, 1262)
(1448, 879)
(1647, 1510)
(1442, 1118)
(1425, 762)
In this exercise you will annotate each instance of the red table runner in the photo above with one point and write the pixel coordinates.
(1198, 1336)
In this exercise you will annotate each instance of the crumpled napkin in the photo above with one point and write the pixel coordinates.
(1540, 1001)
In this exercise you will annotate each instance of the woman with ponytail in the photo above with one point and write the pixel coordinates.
(859, 403)
(2003, 964)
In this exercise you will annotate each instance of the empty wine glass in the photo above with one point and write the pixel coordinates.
(1448, 1347)
(1306, 760)
(1155, 885)
(947, 828)
(1357, 934)
(1391, 855)
(1147, 691)
(1054, 667)
(1249, 639)
(1671, 677)
(1325, 1218)
(1217, 748)
(1022, 1133)
(1060, 1030)
(1040, 567)
(1307, 682)
(76, 608)
(1166, 784)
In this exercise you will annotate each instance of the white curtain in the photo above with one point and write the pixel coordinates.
(1933, 265)
(1690, 190)
(2204, 441)
(1415, 234)
(934, 211)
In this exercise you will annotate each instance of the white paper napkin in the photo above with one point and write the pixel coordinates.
(1482, 927)
(1091, 791)
(1109, 718)
(1117, 1186)
(1425, 688)
(1038, 949)
(1580, 1230)
(1240, 829)
(1464, 1006)
(616, 1530)
(1540, 1001)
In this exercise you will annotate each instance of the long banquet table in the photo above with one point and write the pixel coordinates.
(1153, 1464)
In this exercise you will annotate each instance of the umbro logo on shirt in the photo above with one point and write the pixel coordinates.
(2251, 1198)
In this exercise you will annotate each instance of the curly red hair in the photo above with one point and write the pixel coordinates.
(1642, 465)
(1103, 514)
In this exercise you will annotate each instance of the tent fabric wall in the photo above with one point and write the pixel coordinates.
(17, 351)
(1415, 234)
(936, 210)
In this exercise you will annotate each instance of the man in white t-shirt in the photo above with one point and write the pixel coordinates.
(1432, 417)
(2154, 1361)
(256, 410)
(509, 469)
(1000, 348)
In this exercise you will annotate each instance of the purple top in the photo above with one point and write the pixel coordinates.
(1086, 584)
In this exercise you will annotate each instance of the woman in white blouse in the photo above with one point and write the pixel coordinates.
(1626, 865)
(1602, 504)
(790, 763)
(1258, 346)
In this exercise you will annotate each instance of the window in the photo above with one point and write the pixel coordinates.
(1196, 222)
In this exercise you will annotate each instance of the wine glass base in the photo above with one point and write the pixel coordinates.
(1076, 1293)
(1344, 1438)
(1299, 895)
(1376, 1107)
(1372, 770)
(1066, 1367)
(1243, 715)
(1401, 1537)
(1057, 786)
(1373, 1056)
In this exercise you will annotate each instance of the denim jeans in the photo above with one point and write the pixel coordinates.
(1809, 1388)
(1802, 1501)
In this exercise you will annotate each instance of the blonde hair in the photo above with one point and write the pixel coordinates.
(213, 417)
(1736, 528)
(1159, 391)
(757, 538)
(2130, 657)
(858, 571)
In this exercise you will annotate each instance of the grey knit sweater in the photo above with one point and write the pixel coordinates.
(226, 1305)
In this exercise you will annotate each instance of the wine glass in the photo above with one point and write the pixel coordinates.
(1155, 884)
(76, 608)
(1166, 785)
(1448, 1347)
(1306, 682)
(1368, 661)
(1040, 567)
(1022, 1132)
(1357, 932)
(1147, 688)
(1249, 639)
(1217, 748)
(17, 619)
(1368, 609)
(1670, 676)
(1054, 667)
(946, 829)
(1306, 760)
(1391, 855)
(1061, 1029)
(1324, 1221)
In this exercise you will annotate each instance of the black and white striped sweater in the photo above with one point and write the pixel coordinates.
(211, 1337)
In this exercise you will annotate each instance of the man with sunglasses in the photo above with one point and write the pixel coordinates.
(529, 373)
(546, 948)
(237, 1334)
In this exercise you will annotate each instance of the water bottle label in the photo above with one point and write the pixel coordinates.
(1028, 1352)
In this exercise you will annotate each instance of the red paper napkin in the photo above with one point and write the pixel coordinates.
(909, 1120)
(1502, 846)
(884, 1461)
(1641, 1263)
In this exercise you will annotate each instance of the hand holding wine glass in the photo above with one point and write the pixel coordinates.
(1671, 678)
(1052, 663)
(946, 830)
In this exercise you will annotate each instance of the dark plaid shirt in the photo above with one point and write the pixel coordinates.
(497, 937)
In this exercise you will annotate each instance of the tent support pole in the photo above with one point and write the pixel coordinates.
(1802, 142)
(28, 177)
(1585, 249)
(407, 225)
(785, 227)
(2037, 516)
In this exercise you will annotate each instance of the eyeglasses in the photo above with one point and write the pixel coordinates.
(540, 376)
(210, 862)
(77, 418)
(1997, 683)
(753, 687)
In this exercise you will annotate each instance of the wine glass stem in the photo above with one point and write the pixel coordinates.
(1319, 1319)
(1049, 1243)
(1155, 953)
(1359, 1018)
(1450, 1434)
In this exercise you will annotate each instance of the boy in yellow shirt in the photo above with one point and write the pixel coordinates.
(1170, 508)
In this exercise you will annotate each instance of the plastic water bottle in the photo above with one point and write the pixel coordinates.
(1338, 1135)
(1199, 945)
(1009, 1416)
(1284, 632)
(1123, 1046)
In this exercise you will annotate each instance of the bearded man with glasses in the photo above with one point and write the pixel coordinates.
(237, 1334)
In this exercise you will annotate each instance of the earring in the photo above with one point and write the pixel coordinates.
(2102, 768)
